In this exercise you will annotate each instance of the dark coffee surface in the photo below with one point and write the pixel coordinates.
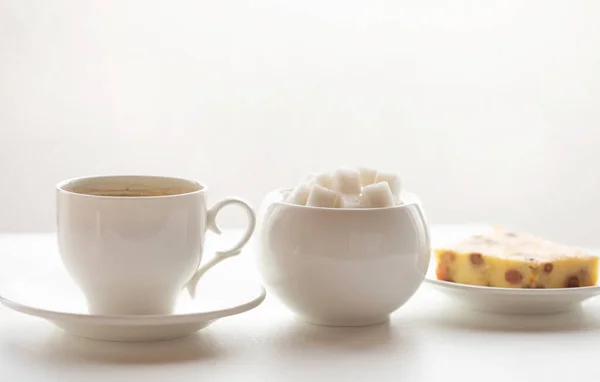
(132, 192)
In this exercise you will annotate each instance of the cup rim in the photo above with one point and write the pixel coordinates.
(395, 206)
(60, 186)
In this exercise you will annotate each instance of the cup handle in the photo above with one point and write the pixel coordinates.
(211, 223)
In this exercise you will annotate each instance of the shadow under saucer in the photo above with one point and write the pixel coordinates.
(62, 348)
(458, 318)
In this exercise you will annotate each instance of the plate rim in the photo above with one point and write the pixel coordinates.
(588, 290)
(147, 320)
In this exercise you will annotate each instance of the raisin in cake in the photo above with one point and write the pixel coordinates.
(510, 259)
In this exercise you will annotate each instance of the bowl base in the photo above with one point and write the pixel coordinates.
(363, 321)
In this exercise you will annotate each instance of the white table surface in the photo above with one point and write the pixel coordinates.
(426, 340)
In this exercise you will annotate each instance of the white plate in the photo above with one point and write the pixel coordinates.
(510, 300)
(53, 296)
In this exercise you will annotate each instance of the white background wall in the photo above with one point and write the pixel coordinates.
(488, 109)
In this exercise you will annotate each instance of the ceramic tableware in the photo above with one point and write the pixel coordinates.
(53, 296)
(342, 267)
(131, 243)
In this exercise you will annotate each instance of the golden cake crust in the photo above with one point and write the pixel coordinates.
(503, 258)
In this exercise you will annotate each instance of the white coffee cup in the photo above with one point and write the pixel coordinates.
(132, 243)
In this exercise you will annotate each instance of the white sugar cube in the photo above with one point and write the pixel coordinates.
(367, 175)
(299, 195)
(346, 181)
(377, 195)
(350, 201)
(392, 180)
(322, 197)
(324, 179)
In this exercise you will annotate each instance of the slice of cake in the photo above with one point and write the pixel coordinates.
(508, 259)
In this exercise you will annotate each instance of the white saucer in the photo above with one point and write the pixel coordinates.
(510, 300)
(53, 296)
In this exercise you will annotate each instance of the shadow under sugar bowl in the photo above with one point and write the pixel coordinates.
(342, 267)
